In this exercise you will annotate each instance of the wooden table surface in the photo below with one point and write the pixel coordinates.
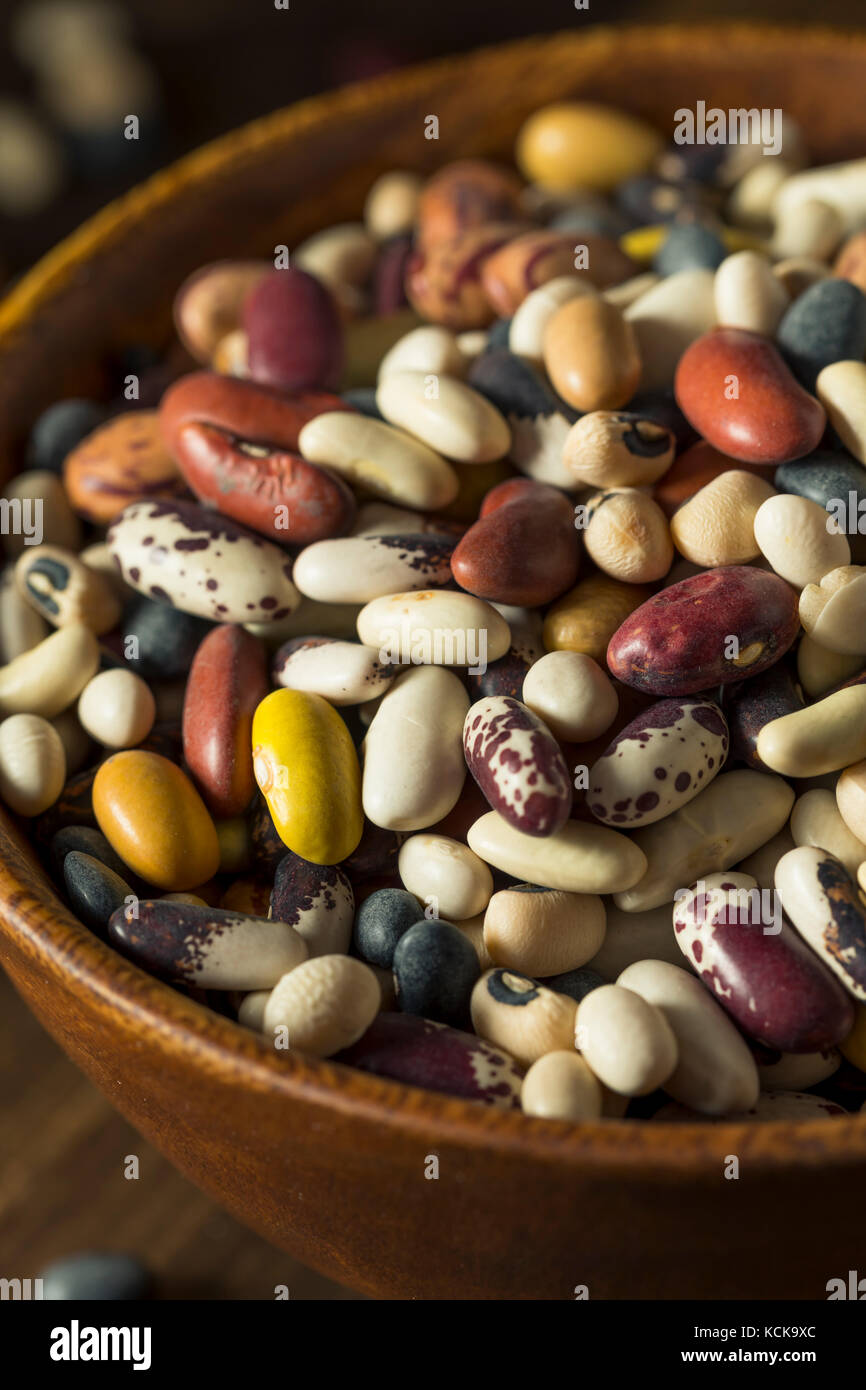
(62, 1186)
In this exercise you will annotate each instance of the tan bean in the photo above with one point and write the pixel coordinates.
(815, 820)
(39, 513)
(591, 354)
(436, 867)
(32, 764)
(851, 798)
(530, 319)
(517, 1013)
(210, 302)
(560, 1086)
(543, 932)
(819, 670)
(571, 694)
(627, 1042)
(717, 525)
(609, 448)
(585, 618)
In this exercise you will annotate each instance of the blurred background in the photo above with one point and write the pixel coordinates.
(71, 73)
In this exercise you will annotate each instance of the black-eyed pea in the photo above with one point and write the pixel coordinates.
(21, 627)
(816, 820)
(560, 1086)
(571, 694)
(819, 670)
(517, 1013)
(628, 537)
(715, 1073)
(717, 525)
(32, 764)
(324, 1005)
(823, 737)
(791, 532)
(628, 1043)
(66, 591)
(392, 204)
(437, 868)
(613, 448)
(833, 612)
(542, 932)
(117, 708)
(50, 676)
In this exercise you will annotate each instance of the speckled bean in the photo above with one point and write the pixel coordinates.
(822, 900)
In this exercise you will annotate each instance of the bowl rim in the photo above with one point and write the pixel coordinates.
(40, 927)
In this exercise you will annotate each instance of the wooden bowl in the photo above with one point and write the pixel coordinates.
(327, 1162)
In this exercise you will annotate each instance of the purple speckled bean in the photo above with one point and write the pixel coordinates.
(658, 762)
(757, 966)
(518, 765)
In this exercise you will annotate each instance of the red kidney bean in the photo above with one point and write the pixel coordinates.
(294, 332)
(518, 765)
(523, 549)
(720, 626)
(228, 678)
(737, 391)
(758, 967)
(235, 444)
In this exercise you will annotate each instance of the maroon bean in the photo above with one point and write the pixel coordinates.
(294, 332)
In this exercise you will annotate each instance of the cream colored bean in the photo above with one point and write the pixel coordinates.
(792, 534)
(717, 525)
(445, 414)
(820, 670)
(340, 255)
(823, 737)
(632, 936)
(436, 868)
(797, 1071)
(49, 677)
(748, 295)
(667, 319)
(734, 816)
(39, 513)
(815, 820)
(526, 334)
(842, 186)
(751, 201)
(611, 448)
(362, 568)
(628, 537)
(834, 611)
(571, 694)
(392, 204)
(578, 858)
(517, 1013)
(382, 460)
(427, 349)
(346, 673)
(630, 291)
(384, 519)
(473, 342)
(560, 1086)
(251, 1010)
(77, 743)
(324, 1005)
(414, 767)
(32, 764)
(436, 627)
(21, 627)
(799, 273)
(231, 356)
(761, 866)
(543, 932)
(716, 1073)
(851, 798)
(628, 1043)
(812, 228)
(64, 591)
(117, 708)
(841, 389)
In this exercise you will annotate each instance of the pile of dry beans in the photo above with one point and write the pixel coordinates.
(450, 655)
